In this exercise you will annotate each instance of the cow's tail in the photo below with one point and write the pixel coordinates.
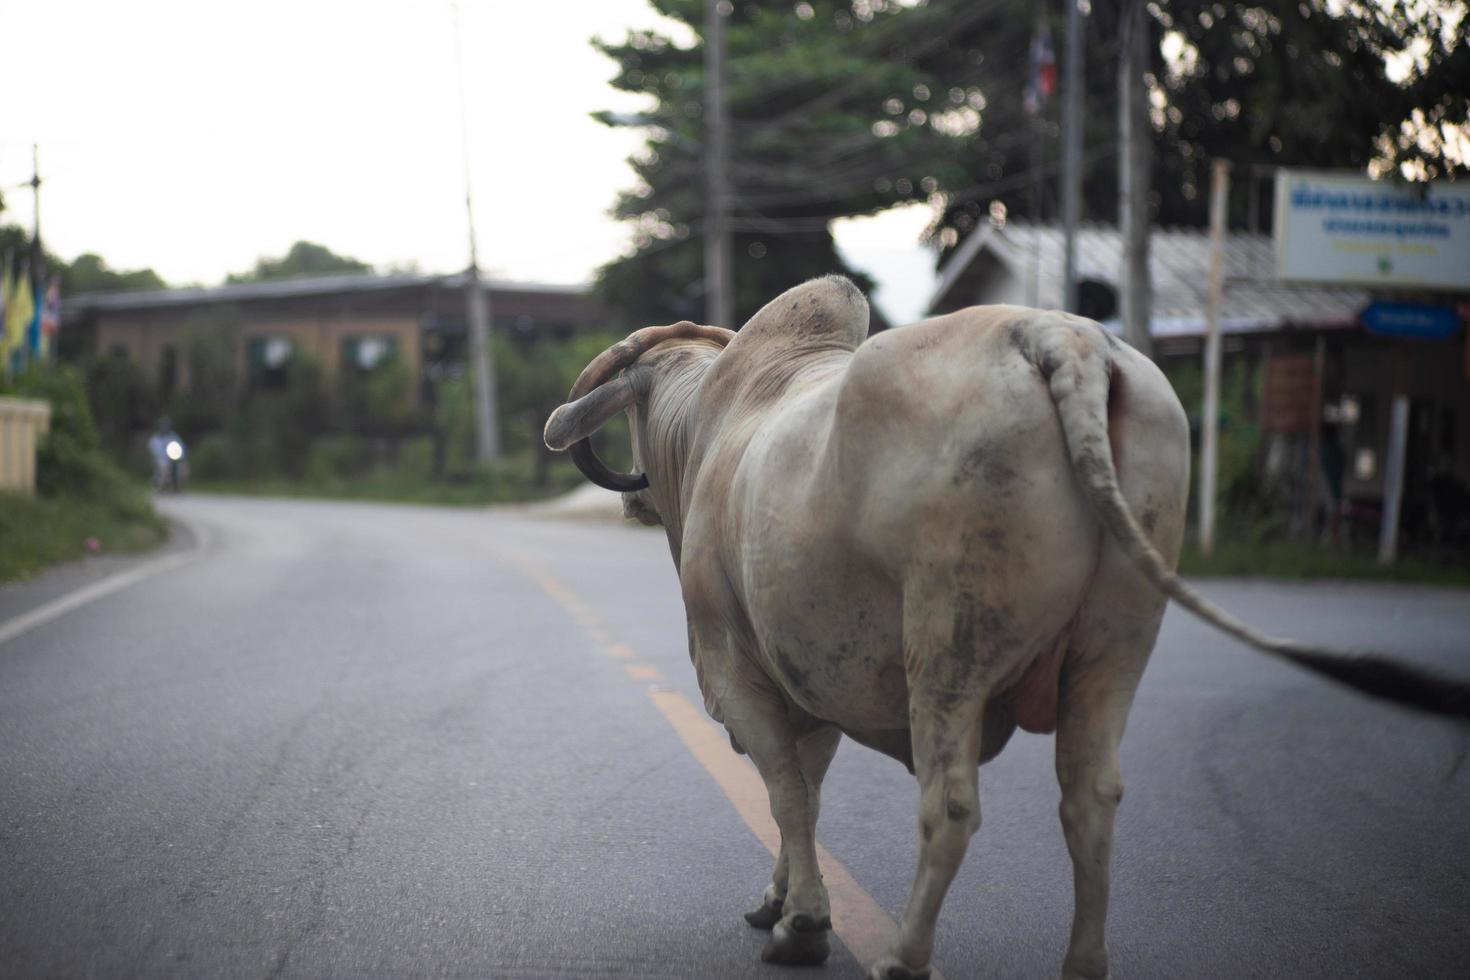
(1078, 368)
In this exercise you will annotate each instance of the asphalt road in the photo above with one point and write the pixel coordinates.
(348, 740)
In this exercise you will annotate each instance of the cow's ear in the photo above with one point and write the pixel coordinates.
(577, 420)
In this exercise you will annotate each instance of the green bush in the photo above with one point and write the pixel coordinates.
(1238, 472)
(69, 460)
(211, 359)
(214, 457)
(122, 401)
(335, 458)
(81, 493)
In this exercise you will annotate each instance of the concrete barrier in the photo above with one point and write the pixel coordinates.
(23, 421)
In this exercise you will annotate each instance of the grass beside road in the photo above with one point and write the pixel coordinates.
(398, 487)
(1249, 556)
(37, 531)
(382, 491)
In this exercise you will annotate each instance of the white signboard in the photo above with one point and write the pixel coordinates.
(1348, 229)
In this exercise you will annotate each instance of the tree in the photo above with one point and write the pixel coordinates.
(89, 273)
(845, 108)
(302, 259)
(1286, 82)
(836, 109)
(15, 243)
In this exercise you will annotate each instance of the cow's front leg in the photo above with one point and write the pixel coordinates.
(787, 763)
(815, 750)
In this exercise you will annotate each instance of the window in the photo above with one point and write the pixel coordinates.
(365, 352)
(270, 358)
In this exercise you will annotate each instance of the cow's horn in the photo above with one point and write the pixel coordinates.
(610, 362)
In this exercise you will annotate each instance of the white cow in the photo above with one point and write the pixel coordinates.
(921, 541)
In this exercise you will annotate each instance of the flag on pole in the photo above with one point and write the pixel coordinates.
(20, 308)
(7, 282)
(33, 327)
(50, 316)
(1041, 79)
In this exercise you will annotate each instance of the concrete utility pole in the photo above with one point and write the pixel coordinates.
(719, 270)
(1393, 479)
(477, 304)
(1135, 167)
(35, 183)
(1072, 154)
(1209, 444)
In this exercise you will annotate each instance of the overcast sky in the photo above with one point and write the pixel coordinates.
(194, 136)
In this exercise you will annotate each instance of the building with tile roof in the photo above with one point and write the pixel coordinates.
(340, 321)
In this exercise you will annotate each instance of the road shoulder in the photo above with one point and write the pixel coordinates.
(19, 598)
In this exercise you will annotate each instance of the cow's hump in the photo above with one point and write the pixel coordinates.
(826, 312)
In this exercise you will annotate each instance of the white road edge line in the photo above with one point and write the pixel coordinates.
(46, 612)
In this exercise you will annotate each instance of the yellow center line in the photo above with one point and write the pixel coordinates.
(857, 919)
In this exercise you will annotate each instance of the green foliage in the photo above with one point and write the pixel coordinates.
(1283, 82)
(215, 457)
(279, 425)
(1259, 548)
(69, 458)
(804, 95)
(38, 531)
(865, 104)
(89, 273)
(302, 259)
(82, 493)
(15, 241)
(513, 480)
(378, 401)
(122, 400)
(1237, 483)
(211, 360)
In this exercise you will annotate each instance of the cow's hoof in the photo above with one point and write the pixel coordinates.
(1083, 967)
(802, 942)
(889, 968)
(767, 915)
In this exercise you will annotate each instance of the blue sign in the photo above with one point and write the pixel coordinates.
(1411, 320)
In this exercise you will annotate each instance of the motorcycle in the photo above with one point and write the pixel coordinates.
(171, 469)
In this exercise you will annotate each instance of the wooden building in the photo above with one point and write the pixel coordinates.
(340, 322)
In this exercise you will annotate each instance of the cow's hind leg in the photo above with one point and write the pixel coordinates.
(951, 666)
(1115, 634)
(815, 751)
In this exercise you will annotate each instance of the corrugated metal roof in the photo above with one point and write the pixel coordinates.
(1179, 264)
(294, 288)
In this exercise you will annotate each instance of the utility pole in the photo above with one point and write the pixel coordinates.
(477, 304)
(37, 283)
(719, 274)
(1033, 272)
(1134, 172)
(1038, 90)
(1209, 442)
(1072, 154)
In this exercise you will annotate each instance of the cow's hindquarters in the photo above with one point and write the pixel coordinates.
(1113, 637)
